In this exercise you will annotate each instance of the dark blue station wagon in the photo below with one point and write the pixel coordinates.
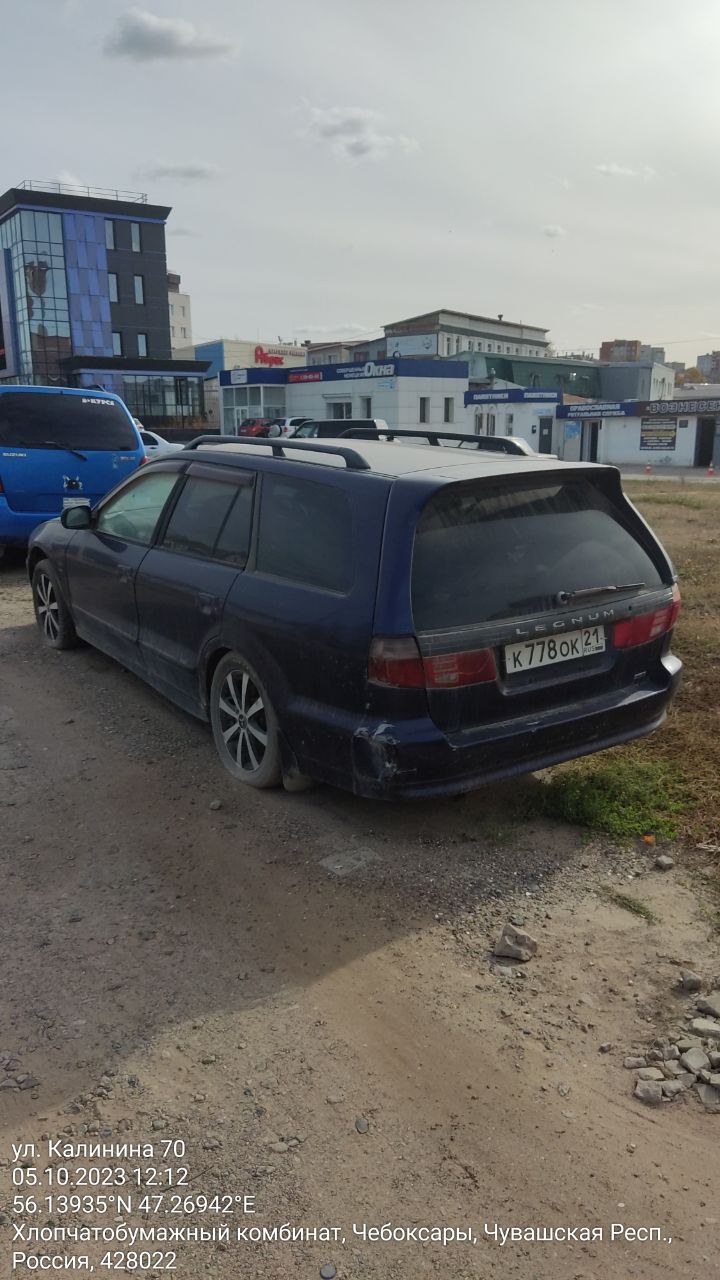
(396, 620)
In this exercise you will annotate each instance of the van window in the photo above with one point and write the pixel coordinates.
(305, 533)
(31, 419)
(483, 554)
(198, 517)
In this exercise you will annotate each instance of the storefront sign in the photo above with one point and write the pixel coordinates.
(709, 406)
(413, 344)
(600, 409)
(305, 377)
(658, 433)
(368, 370)
(513, 395)
(238, 375)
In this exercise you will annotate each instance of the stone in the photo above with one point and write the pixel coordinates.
(709, 1097)
(649, 1092)
(159, 1123)
(362, 1125)
(215, 805)
(28, 1082)
(208, 1060)
(278, 1147)
(634, 1064)
(518, 921)
(334, 1099)
(211, 1144)
(671, 1070)
(671, 1053)
(686, 1043)
(671, 1088)
(328, 1272)
(606, 1047)
(502, 970)
(710, 1004)
(689, 980)
(664, 862)
(706, 1028)
(650, 1073)
(686, 1079)
(655, 1055)
(714, 1079)
(515, 944)
(714, 1056)
(695, 1060)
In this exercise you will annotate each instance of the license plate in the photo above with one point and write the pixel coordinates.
(75, 502)
(548, 649)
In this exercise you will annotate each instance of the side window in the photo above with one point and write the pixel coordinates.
(233, 544)
(198, 517)
(306, 533)
(135, 511)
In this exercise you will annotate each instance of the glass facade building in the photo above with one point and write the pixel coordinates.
(83, 300)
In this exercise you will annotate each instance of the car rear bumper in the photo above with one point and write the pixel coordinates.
(415, 758)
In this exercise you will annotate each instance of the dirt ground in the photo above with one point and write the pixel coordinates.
(266, 979)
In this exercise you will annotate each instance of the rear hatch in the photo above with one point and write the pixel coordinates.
(62, 447)
(534, 593)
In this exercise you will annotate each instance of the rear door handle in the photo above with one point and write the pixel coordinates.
(209, 605)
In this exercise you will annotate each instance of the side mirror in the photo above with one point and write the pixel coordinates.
(79, 517)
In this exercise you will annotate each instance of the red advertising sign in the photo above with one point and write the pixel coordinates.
(304, 377)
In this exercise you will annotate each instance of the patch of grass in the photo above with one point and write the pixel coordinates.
(624, 797)
(672, 500)
(633, 905)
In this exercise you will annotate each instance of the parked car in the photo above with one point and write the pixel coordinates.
(332, 428)
(289, 426)
(155, 446)
(394, 621)
(59, 445)
(262, 427)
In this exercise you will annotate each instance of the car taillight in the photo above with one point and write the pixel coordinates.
(647, 626)
(399, 663)
(396, 662)
(1, 485)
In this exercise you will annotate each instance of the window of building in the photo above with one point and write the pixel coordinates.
(490, 346)
(508, 351)
(135, 512)
(449, 409)
(109, 233)
(117, 344)
(198, 517)
(142, 344)
(184, 333)
(113, 286)
(509, 420)
(172, 309)
(366, 403)
(306, 533)
(135, 237)
(424, 414)
(491, 424)
(139, 287)
(339, 409)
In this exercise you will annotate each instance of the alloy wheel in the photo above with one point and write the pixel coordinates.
(48, 607)
(243, 721)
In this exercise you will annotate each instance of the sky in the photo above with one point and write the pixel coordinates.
(335, 166)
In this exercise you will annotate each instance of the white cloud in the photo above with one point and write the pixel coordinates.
(333, 330)
(184, 231)
(144, 37)
(356, 133)
(69, 179)
(613, 170)
(192, 172)
(554, 232)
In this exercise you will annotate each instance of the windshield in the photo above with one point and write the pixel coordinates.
(485, 554)
(37, 420)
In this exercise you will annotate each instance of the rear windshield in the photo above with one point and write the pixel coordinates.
(482, 554)
(32, 420)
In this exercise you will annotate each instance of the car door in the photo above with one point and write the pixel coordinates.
(184, 579)
(101, 562)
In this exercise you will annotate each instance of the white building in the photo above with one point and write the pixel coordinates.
(682, 432)
(408, 394)
(180, 314)
(449, 333)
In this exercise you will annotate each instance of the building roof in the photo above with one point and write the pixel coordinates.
(106, 203)
(433, 317)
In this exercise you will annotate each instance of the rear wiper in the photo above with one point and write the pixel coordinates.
(567, 597)
(53, 444)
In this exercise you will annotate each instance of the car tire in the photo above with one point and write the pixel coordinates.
(244, 724)
(51, 612)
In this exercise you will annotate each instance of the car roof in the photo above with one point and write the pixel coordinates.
(392, 460)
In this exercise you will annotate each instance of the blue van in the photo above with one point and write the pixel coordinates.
(59, 447)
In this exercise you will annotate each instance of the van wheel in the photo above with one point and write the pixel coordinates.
(51, 612)
(244, 724)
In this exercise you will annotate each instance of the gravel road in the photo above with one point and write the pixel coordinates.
(299, 988)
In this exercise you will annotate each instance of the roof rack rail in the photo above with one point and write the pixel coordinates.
(492, 444)
(353, 460)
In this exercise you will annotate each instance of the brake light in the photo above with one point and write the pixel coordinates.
(398, 662)
(647, 626)
(1, 485)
